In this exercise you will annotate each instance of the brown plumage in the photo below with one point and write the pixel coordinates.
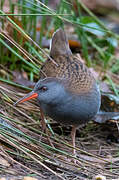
(68, 66)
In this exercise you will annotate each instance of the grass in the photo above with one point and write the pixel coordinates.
(24, 142)
(22, 138)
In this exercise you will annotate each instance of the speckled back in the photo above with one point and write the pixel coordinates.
(80, 79)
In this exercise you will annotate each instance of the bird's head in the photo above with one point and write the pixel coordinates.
(47, 91)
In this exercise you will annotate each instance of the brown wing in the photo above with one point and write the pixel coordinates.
(80, 79)
(78, 75)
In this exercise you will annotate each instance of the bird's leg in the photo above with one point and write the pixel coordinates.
(44, 128)
(73, 134)
(43, 123)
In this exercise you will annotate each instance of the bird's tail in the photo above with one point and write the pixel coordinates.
(102, 117)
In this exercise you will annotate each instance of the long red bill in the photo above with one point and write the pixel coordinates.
(29, 96)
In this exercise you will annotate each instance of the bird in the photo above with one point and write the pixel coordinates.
(67, 92)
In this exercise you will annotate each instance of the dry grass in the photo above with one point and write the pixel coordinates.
(26, 147)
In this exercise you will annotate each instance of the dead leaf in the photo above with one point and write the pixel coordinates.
(29, 178)
(4, 162)
(3, 178)
(104, 87)
(100, 177)
(21, 78)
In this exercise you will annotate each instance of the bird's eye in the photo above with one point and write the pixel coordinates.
(43, 88)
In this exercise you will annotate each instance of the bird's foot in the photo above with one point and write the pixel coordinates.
(44, 129)
(74, 160)
(50, 142)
